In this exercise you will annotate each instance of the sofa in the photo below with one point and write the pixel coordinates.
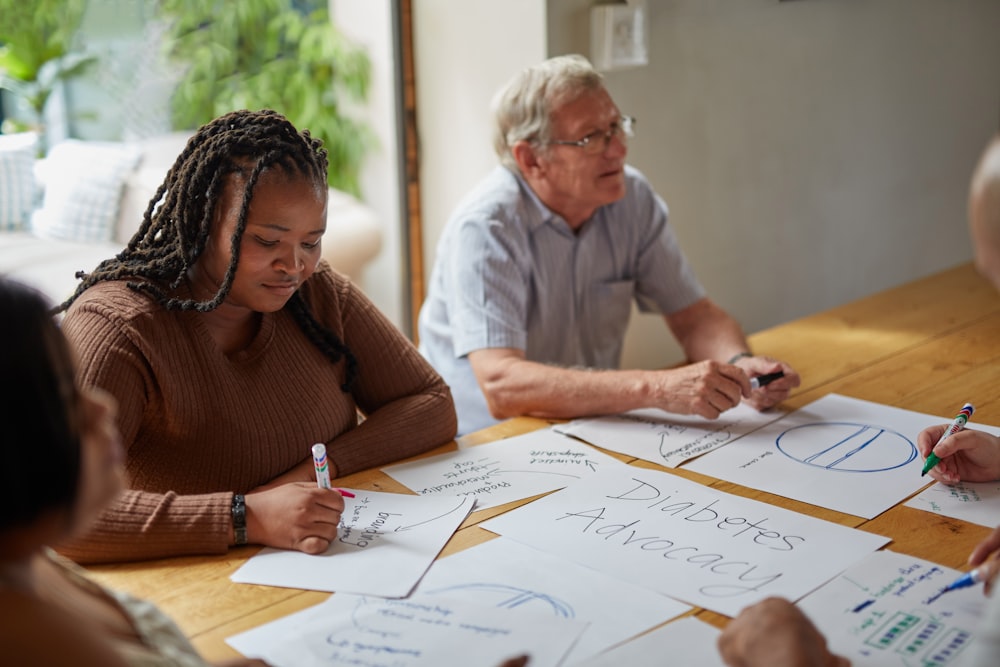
(84, 201)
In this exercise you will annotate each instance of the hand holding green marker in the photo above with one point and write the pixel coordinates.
(957, 425)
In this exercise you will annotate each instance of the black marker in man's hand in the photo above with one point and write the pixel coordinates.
(766, 379)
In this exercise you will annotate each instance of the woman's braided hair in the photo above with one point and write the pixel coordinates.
(177, 222)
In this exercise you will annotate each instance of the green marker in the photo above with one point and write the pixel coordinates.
(957, 424)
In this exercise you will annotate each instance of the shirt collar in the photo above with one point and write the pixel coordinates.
(538, 213)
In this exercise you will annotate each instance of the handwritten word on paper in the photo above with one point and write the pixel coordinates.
(686, 540)
(385, 543)
(978, 502)
(888, 609)
(663, 437)
(503, 471)
(357, 630)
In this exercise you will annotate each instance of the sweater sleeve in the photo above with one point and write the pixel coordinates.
(142, 525)
(407, 406)
(139, 524)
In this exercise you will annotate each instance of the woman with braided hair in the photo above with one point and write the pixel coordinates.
(232, 348)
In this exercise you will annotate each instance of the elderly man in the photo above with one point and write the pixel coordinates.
(537, 268)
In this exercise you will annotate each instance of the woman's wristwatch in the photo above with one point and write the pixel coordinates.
(239, 512)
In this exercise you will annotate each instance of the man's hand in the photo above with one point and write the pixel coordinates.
(775, 392)
(298, 516)
(969, 455)
(775, 632)
(705, 388)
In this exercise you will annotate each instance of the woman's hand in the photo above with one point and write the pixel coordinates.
(299, 515)
(985, 551)
(969, 455)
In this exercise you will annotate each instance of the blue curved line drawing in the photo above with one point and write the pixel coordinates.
(882, 456)
(510, 597)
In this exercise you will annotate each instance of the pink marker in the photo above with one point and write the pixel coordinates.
(323, 470)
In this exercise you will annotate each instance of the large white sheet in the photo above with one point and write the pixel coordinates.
(385, 544)
(977, 502)
(663, 437)
(374, 632)
(842, 453)
(686, 540)
(509, 575)
(887, 611)
(504, 471)
(686, 641)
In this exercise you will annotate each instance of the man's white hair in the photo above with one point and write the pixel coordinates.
(523, 108)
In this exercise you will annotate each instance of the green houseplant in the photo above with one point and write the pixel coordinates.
(279, 54)
(37, 50)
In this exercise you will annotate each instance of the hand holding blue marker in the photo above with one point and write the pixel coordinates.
(968, 579)
(323, 470)
(957, 424)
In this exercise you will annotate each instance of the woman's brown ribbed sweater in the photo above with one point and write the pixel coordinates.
(199, 425)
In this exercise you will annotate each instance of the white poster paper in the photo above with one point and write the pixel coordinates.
(373, 632)
(842, 453)
(686, 540)
(386, 542)
(663, 437)
(888, 610)
(686, 641)
(509, 575)
(503, 471)
(976, 502)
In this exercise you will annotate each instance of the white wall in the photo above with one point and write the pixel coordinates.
(464, 50)
(369, 22)
(811, 152)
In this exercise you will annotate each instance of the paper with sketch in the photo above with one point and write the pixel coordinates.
(503, 471)
(508, 575)
(686, 540)
(358, 630)
(888, 610)
(663, 437)
(386, 542)
(843, 453)
(687, 641)
(976, 502)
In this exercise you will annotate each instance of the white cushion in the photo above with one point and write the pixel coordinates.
(83, 187)
(158, 155)
(17, 179)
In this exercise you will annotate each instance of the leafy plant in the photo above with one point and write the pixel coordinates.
(37, 49)
(278, 54)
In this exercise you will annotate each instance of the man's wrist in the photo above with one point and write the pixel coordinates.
(739, 355)
(239, 515)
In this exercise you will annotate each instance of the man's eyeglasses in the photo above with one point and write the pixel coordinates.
(592, 144)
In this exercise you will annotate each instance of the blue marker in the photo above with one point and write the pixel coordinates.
(968, 579)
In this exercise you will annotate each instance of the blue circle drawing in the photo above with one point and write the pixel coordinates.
(847, 446)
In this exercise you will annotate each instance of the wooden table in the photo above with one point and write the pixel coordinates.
(928, 346)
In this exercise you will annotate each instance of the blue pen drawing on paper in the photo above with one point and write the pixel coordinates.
(504, 596)
(916, 636)
(847, 446)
